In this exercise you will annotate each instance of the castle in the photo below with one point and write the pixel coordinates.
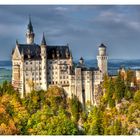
(36, 67)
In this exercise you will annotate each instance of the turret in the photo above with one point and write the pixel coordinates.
(44, 62)
(30, 33)
(102, 59)
(43, 42)
(43, 47)
(102, 50)
(81, 61)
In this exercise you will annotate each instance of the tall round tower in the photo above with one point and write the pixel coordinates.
(30, 33)
(102, 59)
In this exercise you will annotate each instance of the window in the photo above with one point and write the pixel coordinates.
(26, 63)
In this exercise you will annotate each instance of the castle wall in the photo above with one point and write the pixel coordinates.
(32, 75)
(44, 66)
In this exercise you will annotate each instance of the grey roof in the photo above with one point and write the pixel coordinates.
(63, 52)
(102, 46)
(85, 68)
(30, 51)
(89, 69)
(81, 58)
(33, 51)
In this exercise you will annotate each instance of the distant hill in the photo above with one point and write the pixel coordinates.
(113, 66)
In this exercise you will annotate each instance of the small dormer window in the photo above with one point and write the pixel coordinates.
(58, 54)
(53, 55)
(67, 53)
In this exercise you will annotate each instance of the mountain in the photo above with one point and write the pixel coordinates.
(113, 66)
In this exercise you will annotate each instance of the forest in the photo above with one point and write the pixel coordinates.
(52, 113)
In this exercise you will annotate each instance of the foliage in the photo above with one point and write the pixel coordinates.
(52, 113)
(75, 108)
(46, 123)
(94, 123)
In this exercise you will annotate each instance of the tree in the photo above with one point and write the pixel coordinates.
(43, 123)
(75, 108)
(119, 88)
(34, 101)
(55, 97)
(94, 123)
(130, 76)
(117, 127)
(137, 96)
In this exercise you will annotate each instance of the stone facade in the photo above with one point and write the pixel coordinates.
(40, 66)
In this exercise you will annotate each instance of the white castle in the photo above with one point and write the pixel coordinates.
(36, 67)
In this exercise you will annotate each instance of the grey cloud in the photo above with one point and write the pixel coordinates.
(83, 27)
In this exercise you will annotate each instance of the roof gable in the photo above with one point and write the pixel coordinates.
(16, 53)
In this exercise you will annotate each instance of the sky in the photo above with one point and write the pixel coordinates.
(84, 28)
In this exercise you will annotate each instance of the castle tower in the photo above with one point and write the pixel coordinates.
(81, 61)
(102, 59)
(18, 70)
(30, 33)
(44, 63)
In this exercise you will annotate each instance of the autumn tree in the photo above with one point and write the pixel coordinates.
(75, 108)
(119, 88)
(94, 123)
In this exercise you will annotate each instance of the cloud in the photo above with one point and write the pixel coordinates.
(83, 27)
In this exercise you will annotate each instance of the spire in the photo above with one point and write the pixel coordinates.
(43, 42)
(30, 27)
(16, 42)
(30, 33)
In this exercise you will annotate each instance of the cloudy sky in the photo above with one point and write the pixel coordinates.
(82, 27)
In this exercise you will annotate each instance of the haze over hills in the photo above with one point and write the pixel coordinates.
(113, 66)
